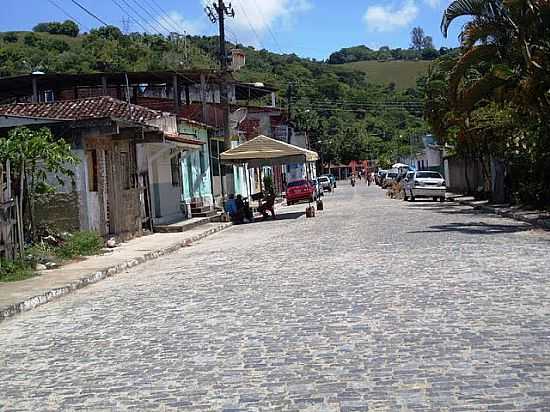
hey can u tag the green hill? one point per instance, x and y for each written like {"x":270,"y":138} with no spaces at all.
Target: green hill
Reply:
{"x":402,"y":73}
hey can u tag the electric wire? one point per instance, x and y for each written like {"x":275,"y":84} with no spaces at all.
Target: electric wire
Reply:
{"x":243,"y":9}
{"x":67,"y":14}
{"x":161,"y":25}
{"x":268,"y":27}
{"x":174,"y":24}
{"x":140,"y":16}
{"x":130,"y":16}
{"x":89,"y":12}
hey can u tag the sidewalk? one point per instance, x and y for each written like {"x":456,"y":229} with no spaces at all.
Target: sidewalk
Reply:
{"x":25,"y":295}
{"x":535,"y":218}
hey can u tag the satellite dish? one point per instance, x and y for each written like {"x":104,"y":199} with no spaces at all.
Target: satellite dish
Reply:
{"x":237,"y":117}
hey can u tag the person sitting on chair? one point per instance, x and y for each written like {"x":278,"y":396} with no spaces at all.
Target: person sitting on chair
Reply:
{"x":268,"y":205}
{"x":232,"y":209}
{"x":244,"y":209}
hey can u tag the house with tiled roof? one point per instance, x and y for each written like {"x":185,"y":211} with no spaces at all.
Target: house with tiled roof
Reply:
{"x":189,"y":94}
{"x":130,"y":174}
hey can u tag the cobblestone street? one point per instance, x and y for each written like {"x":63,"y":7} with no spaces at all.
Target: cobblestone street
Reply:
{"x":375,"y":304}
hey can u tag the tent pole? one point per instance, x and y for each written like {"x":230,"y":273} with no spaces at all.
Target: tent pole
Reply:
{"x":249,"y":184}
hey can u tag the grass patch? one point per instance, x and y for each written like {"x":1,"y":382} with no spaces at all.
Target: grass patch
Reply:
{"x":12,"y":271}
{"x":85,"y":243}
{"x":402,"y":72}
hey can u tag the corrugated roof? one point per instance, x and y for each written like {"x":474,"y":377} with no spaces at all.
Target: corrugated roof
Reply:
{"x":82,"y":109}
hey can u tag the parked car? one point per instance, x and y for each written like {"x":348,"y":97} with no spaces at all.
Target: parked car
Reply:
{"x":332,"y":179}
{"x":379,"y":177}
{"x":318,"y":188}
{"x":326,"y":183}
{"x":391,"y":175}
{"x":424,"y":184}
{"x":300,"y":190}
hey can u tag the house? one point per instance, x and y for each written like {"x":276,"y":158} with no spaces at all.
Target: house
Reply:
{"x":119,"y":183}
{"x":192,"y":95}
{"x":429,"y":157}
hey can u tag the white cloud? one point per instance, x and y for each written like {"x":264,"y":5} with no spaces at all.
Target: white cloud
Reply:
{"x":255,"y":18}
{"x":433,"y":3}
{"x":388,"y":18}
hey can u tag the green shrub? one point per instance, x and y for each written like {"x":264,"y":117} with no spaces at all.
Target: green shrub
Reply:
{"x":12,"y":271}
{"x":80,"y":244}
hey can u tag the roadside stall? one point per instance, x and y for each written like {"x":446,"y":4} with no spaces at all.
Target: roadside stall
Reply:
{"x":264,"y":151}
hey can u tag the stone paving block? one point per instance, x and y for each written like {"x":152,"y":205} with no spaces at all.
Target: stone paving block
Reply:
{"x":375,"y":304}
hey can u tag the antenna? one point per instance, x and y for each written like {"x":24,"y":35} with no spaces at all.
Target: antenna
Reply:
{"x":126,"y":25}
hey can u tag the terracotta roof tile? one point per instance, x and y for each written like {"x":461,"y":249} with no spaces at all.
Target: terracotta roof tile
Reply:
{"x":82,"y":109}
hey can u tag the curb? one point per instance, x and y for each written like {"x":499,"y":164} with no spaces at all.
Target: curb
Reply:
{"x":534,"y":221}
{"x":90,"y":279}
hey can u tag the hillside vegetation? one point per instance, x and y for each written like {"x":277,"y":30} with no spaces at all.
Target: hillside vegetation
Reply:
{"x":402,"y":73}
{"x":347,"y":116}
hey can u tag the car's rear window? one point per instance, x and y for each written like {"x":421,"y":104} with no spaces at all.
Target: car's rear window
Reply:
{"x":392,"y":175}
{"x":428,"y":175}
{"x":297,"y":183}
{"x":324,"y":179}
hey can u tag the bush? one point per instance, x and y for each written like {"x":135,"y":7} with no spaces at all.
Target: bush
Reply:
{"x":12,"y":271}
{"x":80,"y":244}
{"x":68,"y":28}
{"x":10,"y":38}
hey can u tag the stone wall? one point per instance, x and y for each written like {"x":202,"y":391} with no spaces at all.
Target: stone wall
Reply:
{"x":58,"y":210}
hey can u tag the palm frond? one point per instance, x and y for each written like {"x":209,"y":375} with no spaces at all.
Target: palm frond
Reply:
{"x":476,"y":55}
{"x":478,"y":8}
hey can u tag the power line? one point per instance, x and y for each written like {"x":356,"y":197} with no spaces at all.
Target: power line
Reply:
{"x":67,"y":14}
{"x":153,"y":17}
{"x":351,"y":104}
{"x":268,"y":27}
{"x":243,"y":9}
{"x":130,"y":16}
{"x":90,"y":13}
{"x":164,"y":13}
{"x":140,"y":16}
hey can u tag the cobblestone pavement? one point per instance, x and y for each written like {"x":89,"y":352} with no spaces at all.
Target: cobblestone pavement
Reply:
{"x":375,"y":304}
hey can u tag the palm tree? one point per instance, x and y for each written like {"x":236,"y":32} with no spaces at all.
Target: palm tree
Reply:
{"x":505,"y":52}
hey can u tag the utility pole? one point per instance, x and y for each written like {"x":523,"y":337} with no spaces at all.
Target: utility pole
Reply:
{"x":289,"y":103}
{"x":217,"y":13}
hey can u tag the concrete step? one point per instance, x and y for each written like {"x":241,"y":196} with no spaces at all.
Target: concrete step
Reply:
{"x":208,"y":213}
{"x":188,"y":224}
{"x":202,"y":209}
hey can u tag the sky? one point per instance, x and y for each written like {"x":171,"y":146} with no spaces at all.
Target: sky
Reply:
{"x":309,"y":28}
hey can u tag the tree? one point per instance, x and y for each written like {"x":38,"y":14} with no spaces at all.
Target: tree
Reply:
{"x":498,"y":88}
{"x":68,"y":28}
{"x":33,"y":155}
{"x":428,"y":43}
{"x":417,"y":38}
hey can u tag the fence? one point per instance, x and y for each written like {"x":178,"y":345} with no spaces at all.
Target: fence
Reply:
{"x":11,"y":220}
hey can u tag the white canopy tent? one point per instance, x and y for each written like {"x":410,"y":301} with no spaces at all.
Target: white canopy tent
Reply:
{"x":265,"y":151}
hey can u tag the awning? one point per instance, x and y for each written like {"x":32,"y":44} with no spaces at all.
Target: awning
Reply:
{"x":184,"y":141}
{"x":265,"y":151}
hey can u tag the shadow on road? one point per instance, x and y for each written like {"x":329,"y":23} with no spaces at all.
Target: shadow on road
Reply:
{"x":447,"y":208}
{"x":282,"y":216}
{"x":478,"y":228}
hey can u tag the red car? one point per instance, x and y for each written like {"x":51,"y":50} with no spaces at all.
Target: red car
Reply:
{"x":299,"y":190}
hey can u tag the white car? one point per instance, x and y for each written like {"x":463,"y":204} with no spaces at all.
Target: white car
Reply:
{"x":325,"y":183}
{"x":424,"y":184}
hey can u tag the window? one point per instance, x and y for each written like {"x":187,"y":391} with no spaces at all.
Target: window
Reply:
{"x":175,"y":170}
{"x":214,"y":162}
{"x":202,"y":161}
{"x":91,"y":164}
{"x":428,"y":175}
{"x":297,"y":183}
